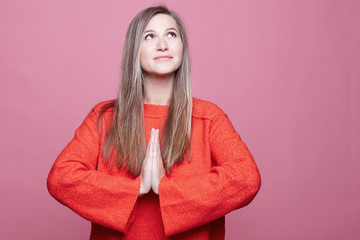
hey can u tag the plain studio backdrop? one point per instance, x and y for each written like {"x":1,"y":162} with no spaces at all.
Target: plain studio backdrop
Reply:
{"x":287,"y":73}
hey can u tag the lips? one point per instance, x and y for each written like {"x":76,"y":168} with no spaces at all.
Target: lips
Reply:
{"x":163,"y":57}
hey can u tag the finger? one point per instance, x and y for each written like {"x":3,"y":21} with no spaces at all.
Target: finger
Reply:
{"x":148,"y":146}
{"x":154,"y":159}
{"x":161,"y":162}
{"x":149,"y":149}
{"x":148,"y":156}
{"x":158,"y":151}
{"x":158,"y":140}
{"x":156,"y":143}
{"x":152,"y":144}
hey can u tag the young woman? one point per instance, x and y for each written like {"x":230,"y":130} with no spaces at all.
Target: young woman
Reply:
{"x":155,"y":163}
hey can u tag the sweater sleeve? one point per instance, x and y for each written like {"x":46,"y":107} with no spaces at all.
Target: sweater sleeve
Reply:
{"x":97,"y":196}
{"x":231,"y":183}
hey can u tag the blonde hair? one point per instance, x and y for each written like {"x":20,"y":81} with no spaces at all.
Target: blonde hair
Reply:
{"x":127,"y":134}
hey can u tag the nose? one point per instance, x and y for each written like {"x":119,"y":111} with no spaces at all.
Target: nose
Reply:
{"x":162,"y":45}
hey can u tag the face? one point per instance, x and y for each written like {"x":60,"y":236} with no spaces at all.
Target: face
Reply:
{"x":162,"y":48}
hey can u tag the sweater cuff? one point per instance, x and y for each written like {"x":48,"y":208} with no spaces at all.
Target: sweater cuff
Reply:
{"x":168,"y":218}
{"x":162,"y":190}
{"x":132,"y":213}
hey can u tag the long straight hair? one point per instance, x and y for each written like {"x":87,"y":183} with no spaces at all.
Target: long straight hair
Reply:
{"x":125,"y":138}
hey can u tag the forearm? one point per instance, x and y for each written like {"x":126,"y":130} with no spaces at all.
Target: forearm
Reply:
{"x":191,"y":202}
{"x":97,"y":196}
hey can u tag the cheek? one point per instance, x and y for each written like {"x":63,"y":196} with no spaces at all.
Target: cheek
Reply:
{"x":143,"y":56}
{"x":180,"y":52}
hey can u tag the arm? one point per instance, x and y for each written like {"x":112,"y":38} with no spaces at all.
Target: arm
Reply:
{"x":231,"y":184}
{"x":97,"y":196}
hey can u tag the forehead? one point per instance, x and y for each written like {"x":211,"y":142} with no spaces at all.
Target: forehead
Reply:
{"x":160,"y":22}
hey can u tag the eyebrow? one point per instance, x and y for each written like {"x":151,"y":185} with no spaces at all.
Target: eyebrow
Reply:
{"x":165,"y":30}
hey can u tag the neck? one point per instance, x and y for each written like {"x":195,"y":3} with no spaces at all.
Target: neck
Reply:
{"x":158,"y":89}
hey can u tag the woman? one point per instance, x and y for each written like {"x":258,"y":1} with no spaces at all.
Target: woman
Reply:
{"x":194,"y":169}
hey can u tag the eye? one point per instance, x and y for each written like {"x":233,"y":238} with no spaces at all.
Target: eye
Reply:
{"x":149,"y":36}
{"x":171,"y":34}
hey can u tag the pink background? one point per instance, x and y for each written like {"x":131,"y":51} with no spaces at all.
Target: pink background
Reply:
{"x":285,"y":71}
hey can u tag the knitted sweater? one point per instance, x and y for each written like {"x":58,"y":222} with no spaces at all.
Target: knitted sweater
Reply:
{"x":193,"y":199}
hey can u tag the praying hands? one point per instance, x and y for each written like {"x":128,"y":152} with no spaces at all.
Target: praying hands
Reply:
{"x":153,"y":169}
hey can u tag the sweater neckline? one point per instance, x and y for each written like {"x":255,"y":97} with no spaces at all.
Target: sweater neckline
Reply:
{"x":152,"y":110}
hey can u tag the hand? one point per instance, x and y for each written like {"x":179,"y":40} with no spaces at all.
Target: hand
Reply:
{"x":158,"y":170}
{"x":146,"y":173}
{"x":153,"y":169}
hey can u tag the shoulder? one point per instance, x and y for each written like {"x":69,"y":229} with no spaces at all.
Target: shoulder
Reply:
{"x":104,"y":107}
{"x":205,"y":109}
{"x":102,"y":110}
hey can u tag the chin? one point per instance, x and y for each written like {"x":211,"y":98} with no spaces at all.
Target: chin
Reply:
{"x":164,"y":72}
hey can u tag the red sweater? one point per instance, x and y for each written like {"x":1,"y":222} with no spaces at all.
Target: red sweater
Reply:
{"x":193,"y":199}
